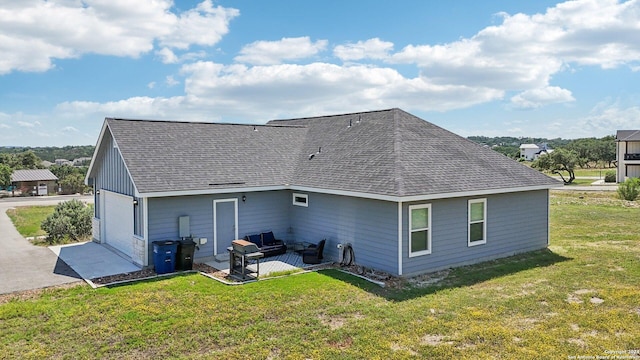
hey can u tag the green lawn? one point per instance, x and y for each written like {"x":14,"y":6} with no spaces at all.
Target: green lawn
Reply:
{"x":582,"y":182}
{"x":593,"y":172}
{"x":27,"y":219}
{"x":581,"y":297}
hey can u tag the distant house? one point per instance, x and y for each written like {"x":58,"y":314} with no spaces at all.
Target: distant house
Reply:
{"x":409,"y":196}
{"x":627,"y":154}
{"x":82,"y":161}
{"x":529,"y":151}
{"x":34,"y":182}
{"x":61,"y":162}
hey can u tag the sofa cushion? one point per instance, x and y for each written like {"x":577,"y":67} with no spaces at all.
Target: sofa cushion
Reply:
{"x":268,"y":238}
{"x":256,"y":239}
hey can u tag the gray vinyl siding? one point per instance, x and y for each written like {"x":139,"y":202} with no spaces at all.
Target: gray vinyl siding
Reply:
{"x":262,"y":211}
{"x":371,"y":226}
{"x":516,"y":223}
{"x":111,"y":173}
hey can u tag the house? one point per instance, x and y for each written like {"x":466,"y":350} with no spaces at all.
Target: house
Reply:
{"x":409,"y":196}
{"x":82,"y":161}
{"x":528,"y":152}
{"x":62,"y":162}
{"x":34,"y":182}
{"x":627,"y":154}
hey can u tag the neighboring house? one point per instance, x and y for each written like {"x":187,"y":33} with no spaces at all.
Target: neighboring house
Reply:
{"x":82,"y":161}
{"x":627,"y":154}
{"x":529,"y":151}
{"x":61,"y":162}
{"x":409,"y":196}
{"x":34,"y":182}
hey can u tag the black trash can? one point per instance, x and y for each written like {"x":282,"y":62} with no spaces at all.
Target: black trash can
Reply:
{"x":184,"y":259}
{"x":164,"y":256}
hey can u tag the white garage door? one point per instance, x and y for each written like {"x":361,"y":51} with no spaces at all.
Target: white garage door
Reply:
{"x":118,"y":221}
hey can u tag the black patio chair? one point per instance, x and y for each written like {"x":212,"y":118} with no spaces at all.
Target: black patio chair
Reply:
{"x":313,"y":253}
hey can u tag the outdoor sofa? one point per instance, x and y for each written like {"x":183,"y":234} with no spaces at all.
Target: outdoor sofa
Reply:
{"x":267,"y":243}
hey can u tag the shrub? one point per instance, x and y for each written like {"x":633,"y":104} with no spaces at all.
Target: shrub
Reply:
{"x":610,"y":176}
{"x":629,"y":189}
{"x":70,"y":219}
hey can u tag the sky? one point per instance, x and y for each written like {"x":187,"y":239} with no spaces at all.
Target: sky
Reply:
{"x":493,"y":67}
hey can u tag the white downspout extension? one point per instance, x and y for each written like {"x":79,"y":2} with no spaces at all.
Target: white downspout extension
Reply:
{"x":400,"y":238}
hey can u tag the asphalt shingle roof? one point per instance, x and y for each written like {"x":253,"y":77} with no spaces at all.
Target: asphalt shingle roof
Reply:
{"x":388,"y":152}
{"x":628,"y":135}
{"x":32,"y":175}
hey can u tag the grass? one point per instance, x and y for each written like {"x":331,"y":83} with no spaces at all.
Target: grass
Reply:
{"x":593,"y":172}
{"x":27,"y":219}
{"x":579,"y":298}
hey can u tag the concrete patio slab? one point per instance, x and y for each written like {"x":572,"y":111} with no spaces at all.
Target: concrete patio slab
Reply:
{"x":91,"y":260}
{"x":279,"y":263}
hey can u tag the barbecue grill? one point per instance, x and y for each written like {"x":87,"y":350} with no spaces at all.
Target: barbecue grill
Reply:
{"x":241,"y":253}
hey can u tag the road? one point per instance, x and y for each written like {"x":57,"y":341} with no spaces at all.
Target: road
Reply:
{"x":24,"y":266}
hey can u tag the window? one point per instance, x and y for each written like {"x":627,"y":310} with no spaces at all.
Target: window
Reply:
{"x":419,"y":230}
{"x":301,"y":199}
{"x":477,"y":222}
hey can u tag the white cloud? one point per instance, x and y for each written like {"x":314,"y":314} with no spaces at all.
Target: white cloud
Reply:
{"x":25,"y":124}
{"x":275,"y":52}
{"x":5,"y":126}
{"x":372,"y":49}
{"x":204,"y":25}
{"x":69,"y":129}
{"x":32,"y":34}
{"x":167,"y":56}
{"x":535,"y":98}
{"x":170,"y":81}
{"x":524,"y":51}
{"x":151,"y":85}
{"x":607,"y":117}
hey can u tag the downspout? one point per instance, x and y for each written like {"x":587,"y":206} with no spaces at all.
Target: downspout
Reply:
{"x":548,"y":217}
{"x":145,"y":229}
{"x":399,"y":238}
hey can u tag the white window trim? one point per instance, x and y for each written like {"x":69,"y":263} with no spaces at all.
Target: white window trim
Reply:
{"x":469,"y":222}
{"x":422,"y":252}
{"x":298,"y":203}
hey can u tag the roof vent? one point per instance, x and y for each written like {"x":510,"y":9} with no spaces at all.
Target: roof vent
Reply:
{"x":349,"y":124}
{"x":255,"y":128}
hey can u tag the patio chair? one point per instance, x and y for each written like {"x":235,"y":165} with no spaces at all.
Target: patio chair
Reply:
{"x":313,"y":253}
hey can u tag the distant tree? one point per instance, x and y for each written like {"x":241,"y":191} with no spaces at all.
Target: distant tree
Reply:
{"x":72,"y":184}
{"x":62,"y":171}
{"x":5,"y":175}
{"x":29,"y":160}
{"x":559,"y":161}
{"x":607,"y":150}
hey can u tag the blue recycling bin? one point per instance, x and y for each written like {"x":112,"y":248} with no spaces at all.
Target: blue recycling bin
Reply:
{"x":164,"y":256}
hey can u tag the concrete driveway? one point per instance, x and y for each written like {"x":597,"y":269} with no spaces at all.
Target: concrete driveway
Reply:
{"x":24,"y":266}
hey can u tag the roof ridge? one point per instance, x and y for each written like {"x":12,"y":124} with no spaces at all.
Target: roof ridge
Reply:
{"x":333,"y":115}
{"x":203,"y":123}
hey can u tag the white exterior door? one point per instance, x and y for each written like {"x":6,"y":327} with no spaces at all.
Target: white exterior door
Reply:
{"x":225,"y":225}
{"x":117,"y":221}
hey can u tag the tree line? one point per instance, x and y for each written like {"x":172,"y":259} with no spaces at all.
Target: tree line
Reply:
{"x":70,"y":178}
{"x":589,"y":152}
